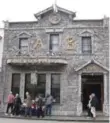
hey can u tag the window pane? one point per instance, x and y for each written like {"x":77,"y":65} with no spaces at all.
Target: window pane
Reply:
{"x":86,"y":44}
{"x":41,"y":82}
{"x":86,"y":40}
{"x":24,"y":50}
{"x":54,"y":40}
{"x":35,"y":89}
{"x":28,"y":87}
{"x":54,"y":37}
{"x":86,"y":48}
{"x":55,"y":48}
{"x":23,"y":42}
{"x":15,"y":83}
{"x":41,"y":78}
{"x":23,"y":45}
{"x":55,"y":79}
{"x":28,"y":78}
{"x":55,"y":87}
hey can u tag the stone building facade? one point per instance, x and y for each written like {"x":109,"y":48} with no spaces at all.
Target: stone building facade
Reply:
{"x":1,"y":50}
{"x":58,"y":55}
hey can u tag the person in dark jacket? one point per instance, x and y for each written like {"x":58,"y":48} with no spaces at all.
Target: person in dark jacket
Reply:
{"x":94,"y":103}
{"x":40,"y":105}
{"x":17,"y":105}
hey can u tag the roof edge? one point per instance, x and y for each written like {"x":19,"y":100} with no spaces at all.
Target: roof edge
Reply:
{"x":51,"y":8}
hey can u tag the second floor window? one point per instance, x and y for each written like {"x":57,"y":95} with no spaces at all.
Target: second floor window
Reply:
{"x":54,"y":42}
{"x":23,"y":45}
{"x":86,"y":45}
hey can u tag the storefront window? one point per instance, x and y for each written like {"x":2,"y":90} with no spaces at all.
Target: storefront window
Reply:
{"x":15,"y":83}
{"x":35,"y":89}
{"x":28,"y":87}
{"x":55,"y":87}
{"x":41,"y":82}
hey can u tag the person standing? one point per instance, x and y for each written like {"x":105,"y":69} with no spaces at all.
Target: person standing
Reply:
{"x":33,"y":108}
{"x":89,"y":106}
{"x":10,"y":103}
{"x":48,"y":103}
{"x":28,"y":105}
{"x":40,"y":104}
{"x":94,"y":103}
{"x":17,"y":105}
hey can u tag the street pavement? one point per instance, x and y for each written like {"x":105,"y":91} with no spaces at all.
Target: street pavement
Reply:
{"x":11,"y":120}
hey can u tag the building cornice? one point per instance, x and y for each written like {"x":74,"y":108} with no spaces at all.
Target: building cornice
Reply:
{"x":37,"y":28}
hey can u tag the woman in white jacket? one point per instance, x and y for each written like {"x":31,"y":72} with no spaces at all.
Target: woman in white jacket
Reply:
{"x":89,"y":106}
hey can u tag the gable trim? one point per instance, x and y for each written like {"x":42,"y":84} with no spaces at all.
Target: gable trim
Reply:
{"x":89,"y":62}
{"x":52,"y":8}
{"x":25,"y":33}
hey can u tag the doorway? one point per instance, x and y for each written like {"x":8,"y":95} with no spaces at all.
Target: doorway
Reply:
{"x":92,"y":84}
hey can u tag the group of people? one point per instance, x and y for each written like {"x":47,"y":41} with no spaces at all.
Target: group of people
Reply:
{"x":41,"y":106}
{"x":92,"y":104}
{"x":38,"y":107}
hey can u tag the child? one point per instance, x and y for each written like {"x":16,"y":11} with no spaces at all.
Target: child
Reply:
{"x":33,"y":108}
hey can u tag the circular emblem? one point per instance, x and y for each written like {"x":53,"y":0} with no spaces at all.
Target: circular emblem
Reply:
{"x":54,"y":18}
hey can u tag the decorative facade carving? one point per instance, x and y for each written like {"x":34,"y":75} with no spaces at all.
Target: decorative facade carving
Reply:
{"x":93,"y":68}
{"x":86,"y":33}
{"x":55,"y":18}
{"x":37,"y":44}
{"x":24,"y":34}
{"x":70,"y":43}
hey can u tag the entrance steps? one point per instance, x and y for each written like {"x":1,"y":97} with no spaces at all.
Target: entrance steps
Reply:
{"x":98,"y":113}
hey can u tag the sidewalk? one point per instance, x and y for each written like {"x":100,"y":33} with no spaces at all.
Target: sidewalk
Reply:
{"x":61,"y":118}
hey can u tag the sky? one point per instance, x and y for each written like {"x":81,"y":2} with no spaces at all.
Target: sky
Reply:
{"x":24,"y":10}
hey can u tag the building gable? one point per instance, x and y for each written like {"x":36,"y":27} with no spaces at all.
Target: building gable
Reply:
{"x":92,"y":66}
{"x":54,"y":15}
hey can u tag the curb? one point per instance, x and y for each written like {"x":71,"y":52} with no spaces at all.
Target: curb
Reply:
{"x":55,"y":119}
